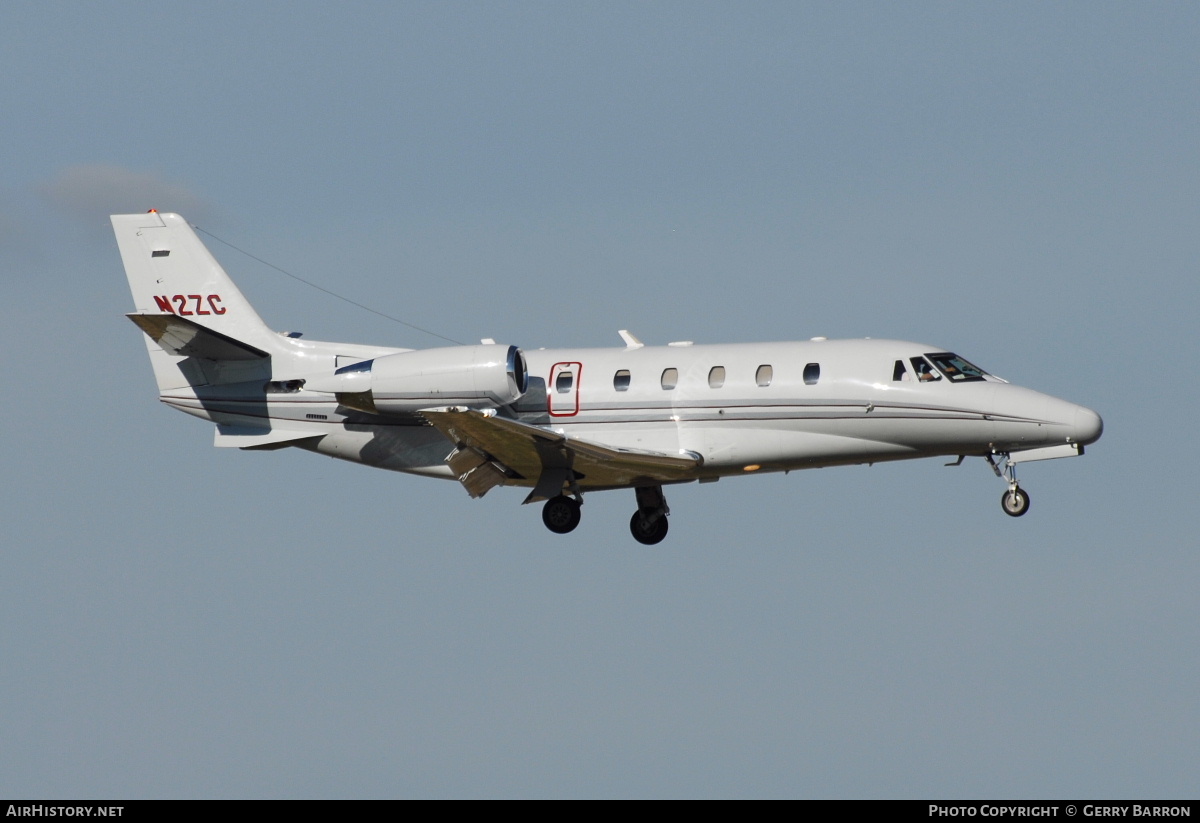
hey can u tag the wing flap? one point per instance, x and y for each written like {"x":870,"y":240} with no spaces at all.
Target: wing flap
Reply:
{"x":525,"y":454}
{"x":475,"y":470}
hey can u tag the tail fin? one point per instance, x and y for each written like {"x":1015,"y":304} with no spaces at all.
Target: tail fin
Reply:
{"x":188,"y":306}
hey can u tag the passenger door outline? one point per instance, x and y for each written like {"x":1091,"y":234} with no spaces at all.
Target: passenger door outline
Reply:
{"x":564,"y":403}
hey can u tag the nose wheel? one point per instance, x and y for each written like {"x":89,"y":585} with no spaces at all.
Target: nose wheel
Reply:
{"x":1015,"y":501}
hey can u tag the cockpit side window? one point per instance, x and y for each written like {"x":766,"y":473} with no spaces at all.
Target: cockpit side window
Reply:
{"x":956,"y":368}
{"x":899,"y":372}
{"x":925,"y":372}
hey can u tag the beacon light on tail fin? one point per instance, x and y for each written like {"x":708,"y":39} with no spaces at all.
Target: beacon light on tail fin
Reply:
{"x":562,"y":422}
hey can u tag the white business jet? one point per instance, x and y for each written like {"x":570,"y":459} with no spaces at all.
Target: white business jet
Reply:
{"x":562,"y":422}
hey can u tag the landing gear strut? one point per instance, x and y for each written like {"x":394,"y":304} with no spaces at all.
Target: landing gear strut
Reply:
{"x":1015,"y":501}
{"x":649,"y":523}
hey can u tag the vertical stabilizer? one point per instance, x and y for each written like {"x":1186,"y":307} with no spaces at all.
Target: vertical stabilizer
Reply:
{"x":176,"y":281}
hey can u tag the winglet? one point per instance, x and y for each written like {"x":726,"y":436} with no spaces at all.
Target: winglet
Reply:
{"x":631,"y":342}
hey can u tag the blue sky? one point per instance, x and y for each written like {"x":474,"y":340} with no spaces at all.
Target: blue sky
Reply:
{"x":1017,"y":183}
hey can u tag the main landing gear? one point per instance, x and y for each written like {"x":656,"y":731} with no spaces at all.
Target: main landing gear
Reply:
{"x":649,"y":523}
{"x":561,"y":514}
{"x":1015,"y":501}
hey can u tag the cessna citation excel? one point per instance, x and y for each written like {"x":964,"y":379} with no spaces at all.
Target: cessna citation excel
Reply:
{"x":564,"y":422}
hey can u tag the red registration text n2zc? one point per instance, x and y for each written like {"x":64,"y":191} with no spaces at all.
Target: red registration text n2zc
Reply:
{"x":187,"y":305}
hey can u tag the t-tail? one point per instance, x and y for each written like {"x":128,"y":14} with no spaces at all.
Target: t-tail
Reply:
{"x":214,"y":358}
{"x":188,"y":307}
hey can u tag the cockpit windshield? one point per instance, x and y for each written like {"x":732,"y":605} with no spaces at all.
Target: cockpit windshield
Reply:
{"x":956,"y":369}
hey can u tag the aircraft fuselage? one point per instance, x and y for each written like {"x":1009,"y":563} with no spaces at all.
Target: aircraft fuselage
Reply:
{"x":739,"y":407}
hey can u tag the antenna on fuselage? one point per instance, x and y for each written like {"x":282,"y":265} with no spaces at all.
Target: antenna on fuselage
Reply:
{"x":631,"y":342}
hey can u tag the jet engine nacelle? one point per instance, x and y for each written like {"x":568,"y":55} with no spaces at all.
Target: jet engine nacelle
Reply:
{"x":484,"y":376}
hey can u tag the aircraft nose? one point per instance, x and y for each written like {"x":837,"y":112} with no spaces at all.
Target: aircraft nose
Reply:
{"x":1088,"y":426}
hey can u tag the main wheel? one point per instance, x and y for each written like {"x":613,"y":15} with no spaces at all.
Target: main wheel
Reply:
{"x":561,"y":514}
{"x":1015,"y":502}
{"x":645,"y":532}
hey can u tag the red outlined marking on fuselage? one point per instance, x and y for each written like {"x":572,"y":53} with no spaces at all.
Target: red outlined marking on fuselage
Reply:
{"x":564,"y":402}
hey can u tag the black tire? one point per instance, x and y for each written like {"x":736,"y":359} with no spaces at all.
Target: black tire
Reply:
{"x":561,"y":514}
{"x":1015,"y":502}
{"x":646,"y":533}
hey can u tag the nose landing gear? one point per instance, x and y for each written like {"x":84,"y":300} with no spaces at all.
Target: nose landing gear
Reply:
{"x":1015,"y":501}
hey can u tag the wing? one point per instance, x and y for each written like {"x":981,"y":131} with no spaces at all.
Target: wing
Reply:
{"x":490,"y":451}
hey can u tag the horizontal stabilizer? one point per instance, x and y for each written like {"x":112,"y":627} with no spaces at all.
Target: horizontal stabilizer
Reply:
{"x":528,"y":451}
{"x":183,"y":338}
{"x":252,"y":437}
